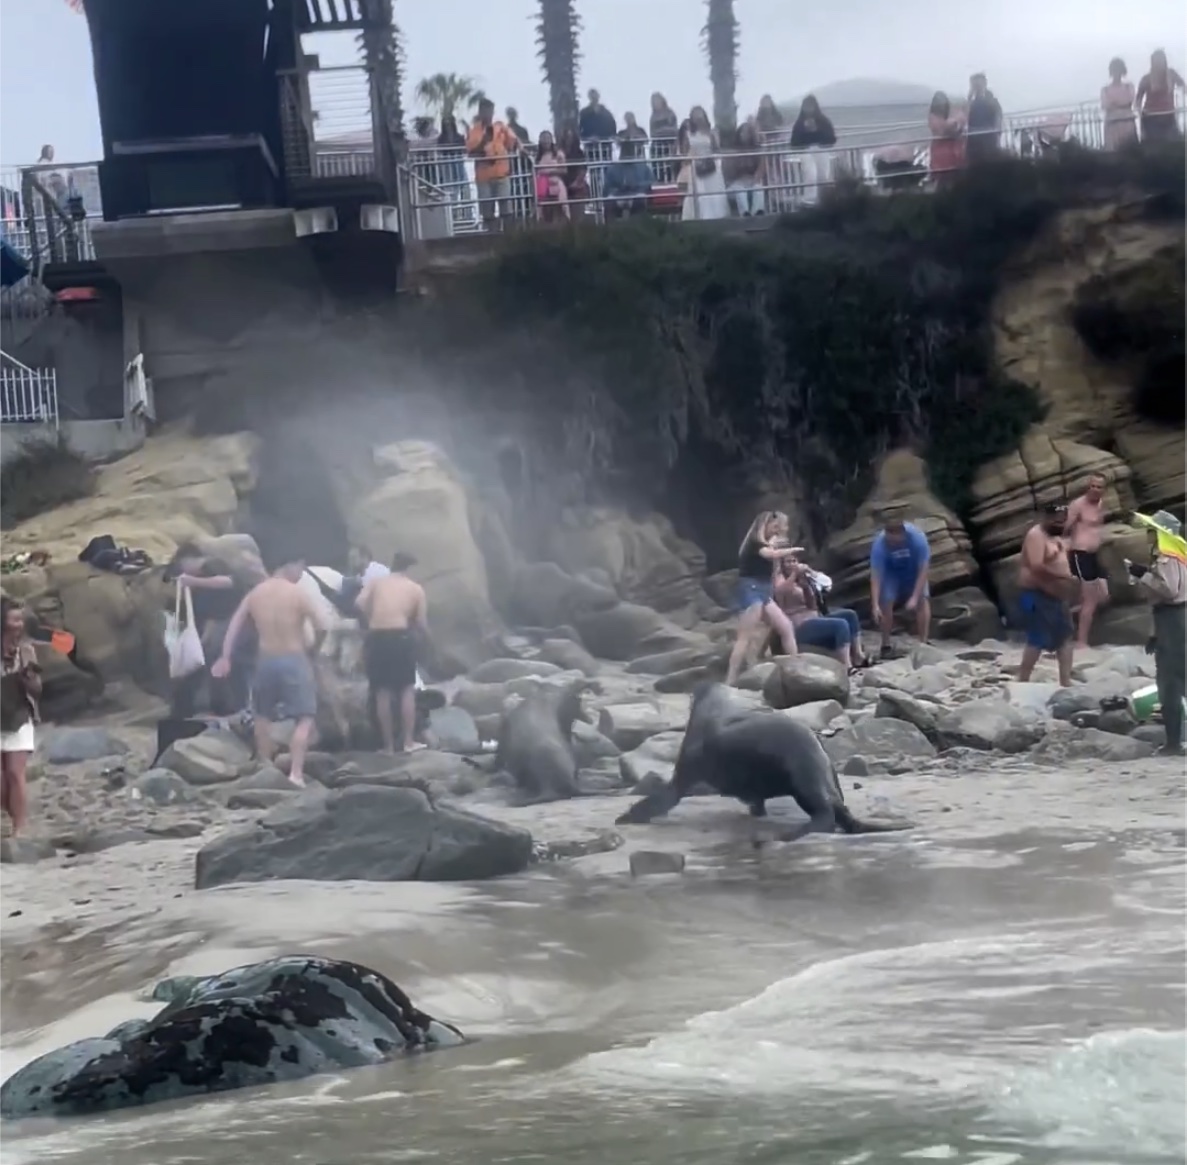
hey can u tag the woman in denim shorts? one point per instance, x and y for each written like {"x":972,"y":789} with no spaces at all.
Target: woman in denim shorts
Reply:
{"x":753,"y":598}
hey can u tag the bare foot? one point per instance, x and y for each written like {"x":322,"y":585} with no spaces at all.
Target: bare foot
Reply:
{"x":415,"y":746}
{"x":299,"y":781}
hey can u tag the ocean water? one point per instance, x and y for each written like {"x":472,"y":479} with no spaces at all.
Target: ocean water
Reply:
{"x":1019,"y":998}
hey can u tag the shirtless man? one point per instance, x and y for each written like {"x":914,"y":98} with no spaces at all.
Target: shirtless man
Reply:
{"x":1084,"y":530}
{"x":284,"y":683}
{"x":1045,"y":580}
{"x":396,"y":614}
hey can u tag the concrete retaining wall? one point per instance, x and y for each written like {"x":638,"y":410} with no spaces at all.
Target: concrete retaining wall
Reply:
{"x":95,"y":440}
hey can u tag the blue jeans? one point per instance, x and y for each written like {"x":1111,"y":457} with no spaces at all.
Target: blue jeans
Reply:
{"x":833,"y":632}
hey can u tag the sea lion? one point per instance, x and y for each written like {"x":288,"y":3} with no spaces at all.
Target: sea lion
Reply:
{"x":536,"y":740}
{"x":283,"y":1019}
{"x":754,"y":755}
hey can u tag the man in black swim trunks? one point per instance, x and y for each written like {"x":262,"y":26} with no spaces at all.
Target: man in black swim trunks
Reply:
{"x":395,"y":610}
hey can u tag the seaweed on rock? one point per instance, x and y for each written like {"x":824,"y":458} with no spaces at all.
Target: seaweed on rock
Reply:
{"x":41,"y":476}
{"x":844,"y":331}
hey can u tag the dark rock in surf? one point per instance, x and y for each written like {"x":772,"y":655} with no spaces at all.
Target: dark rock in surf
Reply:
{"x":368,"y":833}
{"x":279,"y":1020}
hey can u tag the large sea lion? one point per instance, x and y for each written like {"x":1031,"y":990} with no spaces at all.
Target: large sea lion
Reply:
{"x":282,"y":1019}
{"x":536,"y":740}
{"x":754,"y":755}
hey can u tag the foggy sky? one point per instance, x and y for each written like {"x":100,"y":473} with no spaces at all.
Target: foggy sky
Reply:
{"x":1036,"y":53}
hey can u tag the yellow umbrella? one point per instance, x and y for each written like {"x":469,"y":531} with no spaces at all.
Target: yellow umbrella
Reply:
{"x":1168,"y":543}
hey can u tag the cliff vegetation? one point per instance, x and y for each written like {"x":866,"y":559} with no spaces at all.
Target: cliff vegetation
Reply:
{"x":840,"y":333}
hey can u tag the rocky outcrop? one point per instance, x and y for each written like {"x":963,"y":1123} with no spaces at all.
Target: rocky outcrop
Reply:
{"x":419,"y":505}
{"x":1090,"y":399}
{"x":644,"y":559}
{"x":369,"y":833}
{"x":902,"y":486}
{"x":280,"y":1020}
{"x":177,"y":487}
{"x":1010,"y":491}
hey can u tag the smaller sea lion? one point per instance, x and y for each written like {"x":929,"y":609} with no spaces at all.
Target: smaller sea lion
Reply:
{"x":754,"y":755}
{"x":536,"y":740}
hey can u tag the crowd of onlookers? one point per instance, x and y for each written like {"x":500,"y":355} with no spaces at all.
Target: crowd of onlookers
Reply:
{"x":687,"y":166}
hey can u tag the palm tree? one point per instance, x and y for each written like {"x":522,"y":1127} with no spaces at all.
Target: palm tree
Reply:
{"x":383,"y":58}
{"x":557,"y":30}
{"x":442,"y":94}
{"x":719,"y":38}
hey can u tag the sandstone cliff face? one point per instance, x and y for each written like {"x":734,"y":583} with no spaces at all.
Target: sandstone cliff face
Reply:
{"x":1092,"y":424}
{"x":1089,"y":400}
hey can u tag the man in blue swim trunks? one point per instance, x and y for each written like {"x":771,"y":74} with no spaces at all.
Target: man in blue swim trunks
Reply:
{"x":899,"y":562}
{"x":1045,"y":582}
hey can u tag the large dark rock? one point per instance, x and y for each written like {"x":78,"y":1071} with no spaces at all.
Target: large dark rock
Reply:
{"x":279,"y":1020}
{"x":369,"y":833}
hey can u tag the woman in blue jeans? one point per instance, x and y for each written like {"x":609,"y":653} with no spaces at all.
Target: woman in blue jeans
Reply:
{"x":838,"y":632}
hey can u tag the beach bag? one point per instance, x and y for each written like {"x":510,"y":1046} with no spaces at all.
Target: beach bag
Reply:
{"x":182,"y":641}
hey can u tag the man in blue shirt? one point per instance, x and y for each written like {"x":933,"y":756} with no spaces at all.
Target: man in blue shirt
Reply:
{"x":899,"y":560}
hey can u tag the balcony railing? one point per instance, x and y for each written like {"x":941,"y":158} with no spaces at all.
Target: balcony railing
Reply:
{"x":46,"y":212}
{"x":445,"y":199}
{"x":27,"y":395}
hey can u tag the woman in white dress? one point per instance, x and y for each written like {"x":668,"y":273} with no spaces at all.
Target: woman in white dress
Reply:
{"x":21,"y":687}
{"x":706,"y":197}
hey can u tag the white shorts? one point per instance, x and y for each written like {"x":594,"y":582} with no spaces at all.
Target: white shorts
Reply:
{"x":22,"y":740}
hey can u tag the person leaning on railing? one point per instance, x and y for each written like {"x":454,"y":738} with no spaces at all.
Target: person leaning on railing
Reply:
{"x":1116,"y":100}
{"x":1156,"y":100}
{"x":947,"y":138}
{"x":664,"y":127}
{"x":984,"y":122}
{"x":813,"y":133}
{"x":550,"y":178}
{"x":746,"y":171}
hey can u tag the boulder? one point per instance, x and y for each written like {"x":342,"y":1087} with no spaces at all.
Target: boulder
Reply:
{"x":657,"y":754}
{"x":418,"y":505}
{"x":453,"y":729}
{"x":590,"y":746}
{"x":666,"y":663}
{"x":645,"y":863}
{"x":628,"y":725}
{"x":163,"y":787}
{"x":177,"y":487}
{"x":893,"y":704}
{"x":1033,"y":697}
{"x":67,"y":746}
{"x":546,"y":596}
{"x":901,"y":483}
{"x":1009,"y":491}
{"x":642,"y":559}
{"x":966,"y":614}
{"x":440,"y":774}
{"x":805,"y":679}
{"x":989,"y":724}
{"x":878,"y":738}
{"x":569,"y":656}
{"x":1069,"y":743}
{"x":211,"y":758}
{"x":366,"y":833}
{"x":500,"y":671}
{"x":628,"y":631}
{"x":817,"y":715}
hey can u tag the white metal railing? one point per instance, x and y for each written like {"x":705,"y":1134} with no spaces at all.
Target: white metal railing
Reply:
{"x":27,"y":395}
{"x":445,"y":197}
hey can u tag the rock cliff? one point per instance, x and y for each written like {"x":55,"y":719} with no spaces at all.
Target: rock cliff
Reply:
{"x":965,"y":357}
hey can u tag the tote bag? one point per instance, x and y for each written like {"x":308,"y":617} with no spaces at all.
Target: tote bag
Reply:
{"x":182,"y":641}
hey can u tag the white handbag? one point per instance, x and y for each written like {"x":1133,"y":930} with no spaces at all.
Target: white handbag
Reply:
{"x":182,"y":641}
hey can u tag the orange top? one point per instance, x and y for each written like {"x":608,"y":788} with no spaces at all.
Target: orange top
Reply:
{"x":495,"y":150}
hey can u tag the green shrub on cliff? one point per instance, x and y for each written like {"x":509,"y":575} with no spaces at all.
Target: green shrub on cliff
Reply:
{"x":42,"y":476}
{"x":840,"y":333}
